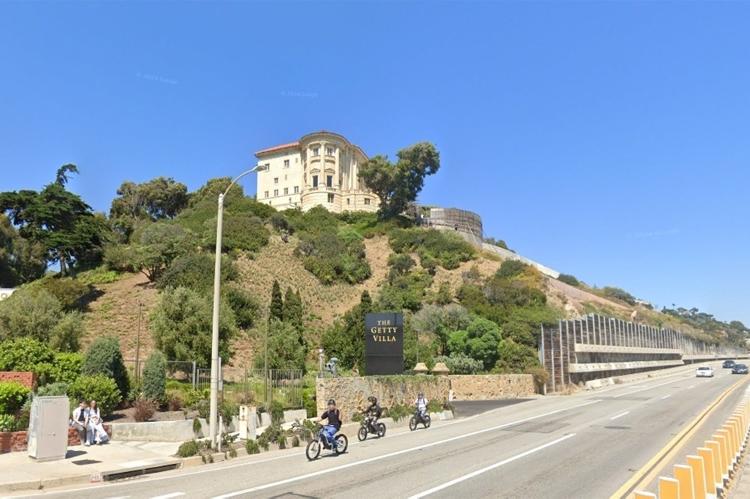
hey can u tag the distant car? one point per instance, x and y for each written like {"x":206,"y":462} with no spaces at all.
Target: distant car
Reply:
{"x":704,"y":372}
{"x":728,"y":364}
{"x":739,"y":369}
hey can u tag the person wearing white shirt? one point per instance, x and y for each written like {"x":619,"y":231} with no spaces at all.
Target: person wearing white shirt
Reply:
{"x":78,"y":421}
{"x":95,"y":426}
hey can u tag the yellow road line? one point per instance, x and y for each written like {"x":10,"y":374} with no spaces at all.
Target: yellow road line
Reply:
{"x":652,"y":468}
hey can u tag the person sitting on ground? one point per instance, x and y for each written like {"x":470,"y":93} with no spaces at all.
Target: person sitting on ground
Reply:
{"x":373,"y":412}
{"x":78,"y":421}
{"x":95,"y":426}
{"x":421,"y":404}
{"x":333,"y":415}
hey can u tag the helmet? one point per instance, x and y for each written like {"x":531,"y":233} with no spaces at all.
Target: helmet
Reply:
{"x":372,"y":399}
{"x":331,"y":402}
{"x":420,"y":395}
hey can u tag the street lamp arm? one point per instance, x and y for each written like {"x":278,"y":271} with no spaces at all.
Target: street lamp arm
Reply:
{"x":234,"y":181}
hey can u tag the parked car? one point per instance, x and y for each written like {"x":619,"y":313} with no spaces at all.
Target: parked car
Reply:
{"x":728,"y":364}
{"x":739,"y":369}
{"x":704,"y":372}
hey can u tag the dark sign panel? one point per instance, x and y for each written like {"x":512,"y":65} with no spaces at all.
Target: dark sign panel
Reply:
{"x":384,"y":343}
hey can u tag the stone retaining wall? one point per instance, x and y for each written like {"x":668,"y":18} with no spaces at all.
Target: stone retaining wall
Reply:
{"x":351,"y":393}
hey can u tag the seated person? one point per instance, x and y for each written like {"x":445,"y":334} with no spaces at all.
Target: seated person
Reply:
{"x":333,"y":416}
{"x":78,"y":421}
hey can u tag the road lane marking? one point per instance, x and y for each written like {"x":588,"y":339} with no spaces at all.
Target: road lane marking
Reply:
{"x":690,"y":387}
{"x":490,"y":468}
{"x":619,"y":415}
{"x":396,"y":453}
{"x":168,"y":496}
{"x":646,"y":388}
{"x":665,"y":397}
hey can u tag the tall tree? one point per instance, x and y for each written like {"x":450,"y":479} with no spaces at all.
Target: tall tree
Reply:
{"x":345,"y":340}
{"x":293,"y":309}
{"x":276,"y":311}
{"x":398,"y":184}
{"x":158,"y":199}
{"x":58,"y":220}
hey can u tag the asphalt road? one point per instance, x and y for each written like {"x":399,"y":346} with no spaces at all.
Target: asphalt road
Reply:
{"x":585,"y":445}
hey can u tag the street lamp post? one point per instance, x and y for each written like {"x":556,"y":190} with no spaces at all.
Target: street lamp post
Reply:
{"x":214,"y":407}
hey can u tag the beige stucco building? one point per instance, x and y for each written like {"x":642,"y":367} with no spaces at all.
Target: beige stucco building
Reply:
{"x":320,"y":169}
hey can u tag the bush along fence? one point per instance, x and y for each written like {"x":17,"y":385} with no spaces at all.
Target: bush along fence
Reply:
{"x":184,"y":371}
{"x":258,"y":387}
{"x":708,"y":472}
{"x":594,"y":346}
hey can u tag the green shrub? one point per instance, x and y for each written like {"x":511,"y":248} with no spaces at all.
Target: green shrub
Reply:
{"x":511,"y":268}
{"x":309,"y":403}
{"x":144,"y":409}
{"x":568,"y":279}
{"x":99,"y":275}
{"x":104,"y":357}
{"x":400,"y":264}
{"x":295,"y":441}
{"x":53,"y":389}
{"x":12,"y":396}
{"x":97,"y":387}
{"x":399,"y":411}
{"x":188,"y":449}
{"x":515,"y":358}
{"x":618,"y":294}
{"x":405,"y":292}
{"x":331,"y":258}
{"x":244,"y":306}
{"x":197,"y":427}
{"x":195,"y":271}
{"x":444,"y":247}
{"x":31,"y":313}
{"x":240,"y":232}
{"x":251,"y":446}
{"x":69,"y":292}
{"x":540,"y":376}
{"x":28,"y":354}
{"x":67,"y":367}
{"x":228,"y":409}
{"x":155,"y":377}
{"x":277,"y":412}
{"x":7,"y":422}
{"x":460,"y":363}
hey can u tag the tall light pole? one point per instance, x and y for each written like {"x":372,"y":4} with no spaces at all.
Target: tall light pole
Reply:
{"x":213,"y":413}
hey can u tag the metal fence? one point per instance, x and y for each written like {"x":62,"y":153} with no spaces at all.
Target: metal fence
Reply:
{"x":282,"y":385}
{"x":178,"y":370}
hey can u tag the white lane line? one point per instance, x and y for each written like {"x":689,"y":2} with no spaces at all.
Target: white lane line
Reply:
{"x":646,"y":388}
{"x":168,"y":496}
{"x":618,"y":416}
{"x":665,"y":397}
{"x":396,"y":453}
{"x":690,"y":387}
{"x":490,"y":468}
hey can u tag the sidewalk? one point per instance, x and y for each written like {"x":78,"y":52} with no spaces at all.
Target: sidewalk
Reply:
{"x":85,"y":464}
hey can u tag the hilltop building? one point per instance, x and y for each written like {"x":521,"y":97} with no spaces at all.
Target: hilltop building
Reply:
{"x":320,"y":169}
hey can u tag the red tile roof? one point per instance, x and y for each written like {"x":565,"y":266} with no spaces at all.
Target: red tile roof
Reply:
{"x":277,"y":148}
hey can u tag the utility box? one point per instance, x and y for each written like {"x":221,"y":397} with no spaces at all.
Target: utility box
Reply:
{"x":48,"y":428}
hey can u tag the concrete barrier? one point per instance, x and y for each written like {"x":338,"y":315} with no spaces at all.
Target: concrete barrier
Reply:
{"x":708,"y":473}
{"x":155,"y":431}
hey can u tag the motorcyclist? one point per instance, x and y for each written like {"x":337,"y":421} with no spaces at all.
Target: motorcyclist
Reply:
{"x":373,"y":412}
{"x":421,"y":404}
{"x":333,"y":415}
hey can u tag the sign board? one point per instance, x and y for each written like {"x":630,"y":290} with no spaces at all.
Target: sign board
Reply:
{"x":384,"y":343}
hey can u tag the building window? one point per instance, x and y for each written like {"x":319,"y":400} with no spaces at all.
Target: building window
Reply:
{"x":348,"y":201}
{"x":296,"y":189}
{"x":286,"y":190}
{"x":276,"y":180}
{"x":286,"y":163}
{"x":367,"y":200}
{"x":330,"y":198}
{"x":330,"y":150}
{"x":316,"y":151}
{"x":329,"y":180}
{"x":315,"y":181}
{"x":267,"y":167}
{"x":275,"y":192}
{"x":266,"y":193}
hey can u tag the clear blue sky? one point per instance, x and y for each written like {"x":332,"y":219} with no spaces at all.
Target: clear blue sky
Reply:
{"x":609,"y":140}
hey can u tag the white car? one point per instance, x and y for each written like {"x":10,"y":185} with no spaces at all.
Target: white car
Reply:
{"x":704,"y":372}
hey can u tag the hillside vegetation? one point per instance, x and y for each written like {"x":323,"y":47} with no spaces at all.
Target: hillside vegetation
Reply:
{"x":291,"y":281}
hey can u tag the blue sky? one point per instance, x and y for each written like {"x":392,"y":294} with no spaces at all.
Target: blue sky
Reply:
{"x":608,"y":140}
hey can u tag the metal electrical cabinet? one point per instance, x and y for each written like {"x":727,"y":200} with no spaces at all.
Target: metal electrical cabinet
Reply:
{"x":48,"y":428}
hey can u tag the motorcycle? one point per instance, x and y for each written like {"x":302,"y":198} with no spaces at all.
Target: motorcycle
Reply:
{"x":337,"y":445}
{"x":418,"y":418}
{"x":367,"y":426}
